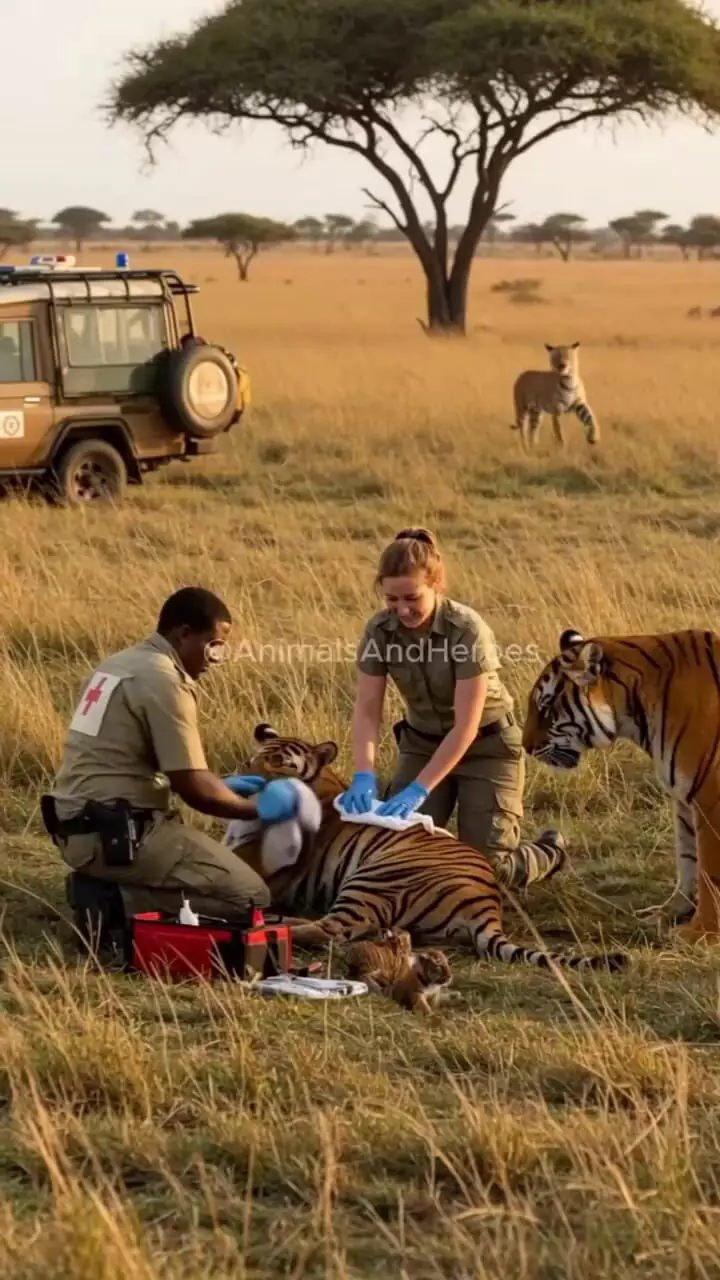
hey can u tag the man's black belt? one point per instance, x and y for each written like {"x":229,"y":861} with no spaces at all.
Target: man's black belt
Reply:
{"x":91,"y":818}
{"x":487,"y":730}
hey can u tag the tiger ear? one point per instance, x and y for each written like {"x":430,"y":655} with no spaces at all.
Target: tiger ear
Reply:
{"x":575,"y":346}
{"x":263,"y":732}
{"x":580,"y":659}
{"x":325,"y":753}
{"x":548,"y":347}
{"x":569,"y":640}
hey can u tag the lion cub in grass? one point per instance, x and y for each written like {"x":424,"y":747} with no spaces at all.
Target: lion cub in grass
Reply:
{"x":388,"y":965}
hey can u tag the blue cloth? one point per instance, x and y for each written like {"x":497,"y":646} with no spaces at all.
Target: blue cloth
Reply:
{"x":360,"y":794}
{"x":245,"y":784}
{"x":405,"y":802}
{"x":277,"y":802}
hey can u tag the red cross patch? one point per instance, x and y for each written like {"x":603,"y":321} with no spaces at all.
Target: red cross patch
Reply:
{"x":90,"y":711}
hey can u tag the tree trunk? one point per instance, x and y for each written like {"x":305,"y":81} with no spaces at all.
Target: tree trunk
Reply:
{"x":243,"y":261}
{"x":446,"y":304}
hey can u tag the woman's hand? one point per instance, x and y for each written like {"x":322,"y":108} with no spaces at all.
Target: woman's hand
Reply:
{"x":361,"y":793}
{"x":404,"y":803}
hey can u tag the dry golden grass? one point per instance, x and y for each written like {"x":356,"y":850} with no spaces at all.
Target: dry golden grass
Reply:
{"x":539,"y":1128}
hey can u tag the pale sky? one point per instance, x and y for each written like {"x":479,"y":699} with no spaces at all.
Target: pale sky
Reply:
{"x":57,"y":149}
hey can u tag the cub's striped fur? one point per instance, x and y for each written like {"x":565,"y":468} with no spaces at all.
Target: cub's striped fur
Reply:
{"x":362,"y":879}
{"x":557,"y":390}
{"x":661,"y":692}
{"x":413,"y":979}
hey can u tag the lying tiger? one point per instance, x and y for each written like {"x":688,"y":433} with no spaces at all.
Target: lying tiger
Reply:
{"x":361,"y":879}
{"x":661,"y":692}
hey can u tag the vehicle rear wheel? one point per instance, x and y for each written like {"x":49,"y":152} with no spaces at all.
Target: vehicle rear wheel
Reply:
{"x":90,"y":471}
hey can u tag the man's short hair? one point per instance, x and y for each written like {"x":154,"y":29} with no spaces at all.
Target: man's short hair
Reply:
{"x":192,"y":607}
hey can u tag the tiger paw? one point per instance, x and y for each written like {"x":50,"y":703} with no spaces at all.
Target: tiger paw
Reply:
{"x":678,"y":910}
{"x":694,"y":932}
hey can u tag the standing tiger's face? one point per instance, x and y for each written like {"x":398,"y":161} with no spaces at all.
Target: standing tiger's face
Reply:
{"x":568,"y":711}
{"x":562,"y":359}
{"x":277,"y":757}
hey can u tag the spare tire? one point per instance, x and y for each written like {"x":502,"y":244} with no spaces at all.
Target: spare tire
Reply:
{"x":198,"y":390}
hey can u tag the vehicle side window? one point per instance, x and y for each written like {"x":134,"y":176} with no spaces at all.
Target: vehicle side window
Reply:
{"x":17,"y":354}
{"x":112,"y":349}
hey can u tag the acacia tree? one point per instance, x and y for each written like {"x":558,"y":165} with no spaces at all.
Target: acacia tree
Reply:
{"x":337,"y":226}
{"x":561,"y":231}
{"x":79,"y":222}
{"x":312,"y":229}
{"x":638,"y":230}
{"x":242,"y":236}
{"x":678,"y":236}
{"x":494,"y":78}
{"x":703,"y":234}
{"x":15,"y":233}
{"x":149,"y":222}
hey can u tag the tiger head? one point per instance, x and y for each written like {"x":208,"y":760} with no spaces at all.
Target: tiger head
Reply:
{"x":432,"y":968}
{"x":563,"y":359}
{"x":276,"y":757}
{"x":569,"y":707}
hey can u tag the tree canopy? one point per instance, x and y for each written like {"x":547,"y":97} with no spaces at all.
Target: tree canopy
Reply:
{"x":80,"y":221}
{"x":493,"y":77}
{"x":15,"y":232}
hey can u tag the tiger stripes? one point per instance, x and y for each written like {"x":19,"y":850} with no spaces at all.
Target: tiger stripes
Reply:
{"x":662,"y":692}
{"x":556,"y":391}
{"x":360,"y":879}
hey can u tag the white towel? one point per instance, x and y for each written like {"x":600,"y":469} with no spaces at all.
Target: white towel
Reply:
{"x":391,"y":821}
{"x":290,"y":984}
{"x":281,"y":841}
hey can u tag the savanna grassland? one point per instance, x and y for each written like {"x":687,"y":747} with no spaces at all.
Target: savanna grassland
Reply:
{"x":539,"y":1127}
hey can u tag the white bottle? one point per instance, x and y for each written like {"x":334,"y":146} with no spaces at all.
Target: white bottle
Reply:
{"x":187,"y":915}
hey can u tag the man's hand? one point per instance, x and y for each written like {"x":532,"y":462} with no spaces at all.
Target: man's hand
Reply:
{"x":206,"y":793}
{"x":245,"y":784}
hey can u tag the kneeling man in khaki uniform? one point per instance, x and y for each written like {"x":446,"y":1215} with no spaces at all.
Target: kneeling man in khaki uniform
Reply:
{"x":132,"y":741}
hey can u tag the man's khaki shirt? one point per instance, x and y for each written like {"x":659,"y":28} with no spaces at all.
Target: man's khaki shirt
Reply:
{"x":136,"y":720}
{"x":425,"y":665}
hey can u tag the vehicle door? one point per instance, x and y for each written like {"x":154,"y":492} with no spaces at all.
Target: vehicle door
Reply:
{"x":27,"y":412}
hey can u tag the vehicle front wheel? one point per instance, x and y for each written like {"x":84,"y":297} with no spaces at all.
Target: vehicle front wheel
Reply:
{"x":90,"y":471}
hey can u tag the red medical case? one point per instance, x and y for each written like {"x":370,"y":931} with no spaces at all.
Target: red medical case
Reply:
{"x":162,"y":947}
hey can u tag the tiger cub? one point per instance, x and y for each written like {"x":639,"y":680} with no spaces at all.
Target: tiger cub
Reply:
{"x":557,"y":390}
{"x":390,"y":968}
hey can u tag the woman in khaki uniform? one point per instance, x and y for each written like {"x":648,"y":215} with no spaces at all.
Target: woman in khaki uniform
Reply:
{"x":459,"y":742}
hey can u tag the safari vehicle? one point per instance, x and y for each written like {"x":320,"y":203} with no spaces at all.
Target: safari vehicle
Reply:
{"x":103,"y":378}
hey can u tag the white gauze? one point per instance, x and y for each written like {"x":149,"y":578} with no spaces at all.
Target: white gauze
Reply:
{"x":281,"y":842}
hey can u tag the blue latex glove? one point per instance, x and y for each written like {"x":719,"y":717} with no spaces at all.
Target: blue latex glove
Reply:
{"x":405,"y":802}
{"x":277,"y":802}
{"x":245,"y":784}
{"x":360,"y":794}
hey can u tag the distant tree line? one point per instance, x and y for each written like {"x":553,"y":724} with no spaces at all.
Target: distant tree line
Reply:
{"x":242,"y":235}
{"x":631,"y":235}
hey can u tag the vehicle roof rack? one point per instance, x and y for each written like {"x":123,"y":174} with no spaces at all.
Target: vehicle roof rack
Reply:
{"x":71,"y":275}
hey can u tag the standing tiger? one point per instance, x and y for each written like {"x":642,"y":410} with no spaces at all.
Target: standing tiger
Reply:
{"x":361,"y":879}
{"x":557,"y":390}
{"x":661,"y":692}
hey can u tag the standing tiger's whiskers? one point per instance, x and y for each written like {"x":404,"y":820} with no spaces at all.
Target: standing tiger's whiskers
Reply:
{"x":556,"y":391}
